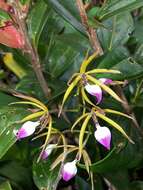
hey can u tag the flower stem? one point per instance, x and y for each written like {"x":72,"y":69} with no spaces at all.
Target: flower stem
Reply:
{"x":89,"y":30}
{"x":31,"y":50}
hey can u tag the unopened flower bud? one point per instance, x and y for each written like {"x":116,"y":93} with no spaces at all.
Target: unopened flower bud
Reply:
{"x":27,"y":129}
{"x":48,"y":150}
{"x":103,"y":136}
{"x":105,"y":80}
{"x":94,"y":90}
{"x":69,"y":170}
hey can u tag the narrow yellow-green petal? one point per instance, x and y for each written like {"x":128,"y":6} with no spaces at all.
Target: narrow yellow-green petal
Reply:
{"x":86,"y":62}
{"x":83,"y":128}
{"x":69,"y":90}
{"x":47,"y":138}
{"x":103,"y":71}
{"x":78,"y":120}
{"x":31,"y":99}
{"x":72,"y":78}
{"x":30,"y":103}
{"x":87,"y":160}
{"x":33,"y":116}
{"x":61,"y":156}
{"x":117,"y":112}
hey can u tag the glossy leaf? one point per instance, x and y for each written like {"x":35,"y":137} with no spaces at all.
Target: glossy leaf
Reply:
{"x":68,"y":11}
{"x":43,"y":176}
{"x":116,"y":7}
{"x":118,"y":30}
{"x":36,"y":20}
{"x":8,"y":118}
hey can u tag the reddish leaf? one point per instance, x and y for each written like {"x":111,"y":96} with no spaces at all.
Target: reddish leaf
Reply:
{"x":11,"y":37}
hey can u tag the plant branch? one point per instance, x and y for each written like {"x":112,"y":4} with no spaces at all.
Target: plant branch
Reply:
{"x":89,"y":30}
{"x":31,"y":50}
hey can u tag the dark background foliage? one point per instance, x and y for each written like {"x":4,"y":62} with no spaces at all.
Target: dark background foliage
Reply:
{"x":54,"y":26}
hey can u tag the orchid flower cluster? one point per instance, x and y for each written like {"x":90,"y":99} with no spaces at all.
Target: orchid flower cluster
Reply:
{"x":87,"y":85}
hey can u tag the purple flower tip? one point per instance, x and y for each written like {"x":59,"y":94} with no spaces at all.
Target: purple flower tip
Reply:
{"x":69,"y":170}
{"x":27,"y":129}
{"x":48,"y":150}
{"x":94,"y":90}
{"x":103,"y":136}
{"x":106,"y":80}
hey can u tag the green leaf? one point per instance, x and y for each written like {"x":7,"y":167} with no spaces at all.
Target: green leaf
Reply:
{"x":5,"y":186}
{"x":113,"y":57}
{"x":23,"y":2}
{"x":136,"y":185}
{"x":115,"y":7}
{"x":36,"y":20}
{"x":128,"y":67}
{"x":67,"y":9}
{"x":18,"y":175}
{"x":82,"y":184}
{"x":120,"y":181}
{"x":65,"y":54}
{"x":8,"y":116}
{"x":138,"y":54}
{"x":4,"y":16}
{"x":43,"y":177}
{"x":117,"y":33}
{"x":109,"y":163}
{"x":6,"y":99}
{"x":61,"y":57}
{"x":138,"y":30}
{"x":30,"y":86}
